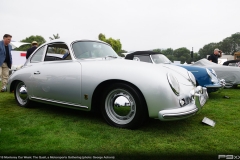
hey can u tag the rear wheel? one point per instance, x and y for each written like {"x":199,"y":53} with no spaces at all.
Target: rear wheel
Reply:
{"x":123,"y":106}
{"x":21,"y":95}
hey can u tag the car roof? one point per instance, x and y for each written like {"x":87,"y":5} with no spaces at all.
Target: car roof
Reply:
{"x":70,"y":41}
{"x":131,"y":55}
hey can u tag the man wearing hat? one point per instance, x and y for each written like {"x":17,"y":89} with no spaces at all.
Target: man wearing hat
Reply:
{"x":32,"y":49}
{"x":214,"y":57}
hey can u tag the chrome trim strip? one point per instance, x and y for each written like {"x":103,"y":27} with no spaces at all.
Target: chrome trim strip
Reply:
{"x":152,"y":59}
{"x":59,"y":102}
{"x":193,"y":71}
{"x":180,"y":114}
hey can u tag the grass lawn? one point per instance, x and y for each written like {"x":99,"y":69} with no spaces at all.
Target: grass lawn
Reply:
{"x":48,"y":130}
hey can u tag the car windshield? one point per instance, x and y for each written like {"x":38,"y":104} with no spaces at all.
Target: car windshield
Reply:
{"x":89,"y":49}
{"x":159,"y":58}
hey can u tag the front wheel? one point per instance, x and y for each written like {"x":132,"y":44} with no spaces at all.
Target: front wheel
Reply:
{"x":123,"y":106}
{"x":21,"y":95}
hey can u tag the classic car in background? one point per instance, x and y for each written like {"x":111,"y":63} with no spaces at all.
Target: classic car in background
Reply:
{"x":230,"y":74}
{"x":233,"y":63}
{"x":205,"y":77}
{"x":93,"y":77}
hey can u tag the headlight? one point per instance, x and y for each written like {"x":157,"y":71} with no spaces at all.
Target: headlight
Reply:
{"x":192,"y":78}
{"x":173,"y":83}
{"x":212,"y":76}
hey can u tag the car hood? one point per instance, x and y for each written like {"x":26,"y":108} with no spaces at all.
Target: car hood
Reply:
{"x":179,"y":72}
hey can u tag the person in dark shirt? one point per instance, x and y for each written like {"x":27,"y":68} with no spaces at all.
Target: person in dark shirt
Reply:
{"x":32,"y":49}
{"x":214,"y":57}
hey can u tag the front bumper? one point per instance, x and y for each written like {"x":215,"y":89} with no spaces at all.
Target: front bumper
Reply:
{"x":221,"y":84}
{"x":216,"y":87}
{"x":198,"y":96}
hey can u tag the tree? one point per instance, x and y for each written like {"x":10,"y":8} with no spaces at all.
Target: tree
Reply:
{"x":231,"y":44}
{"x":207,"y":50}
{"x":196,"y":57}
{"x":55,"y":49}
{"x":182,"y":54}
{"x":37,"y":38}
{"x":54,"y":37}
{"x":157,"y":50}
{"x":168,"y":52}
{"x":115,"y":43}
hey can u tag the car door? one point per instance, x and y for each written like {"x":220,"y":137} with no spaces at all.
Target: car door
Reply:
{"x":58,"y":80}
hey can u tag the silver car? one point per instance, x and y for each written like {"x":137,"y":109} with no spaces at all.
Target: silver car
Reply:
{"x":88,"y":75}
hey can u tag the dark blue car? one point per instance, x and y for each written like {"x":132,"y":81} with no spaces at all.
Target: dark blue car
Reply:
{"x":205,"y":77}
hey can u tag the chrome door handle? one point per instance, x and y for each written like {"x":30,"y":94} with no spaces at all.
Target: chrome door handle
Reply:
{"x":37,"y":72}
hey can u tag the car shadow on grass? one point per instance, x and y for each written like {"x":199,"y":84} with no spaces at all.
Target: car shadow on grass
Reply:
{"x":66,"y":112}
{"x":151,"y":125}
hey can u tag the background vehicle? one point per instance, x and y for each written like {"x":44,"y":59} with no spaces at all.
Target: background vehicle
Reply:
{"x":233,"y":63}
{"x":229,"y":73}
{"x":205,"y":77}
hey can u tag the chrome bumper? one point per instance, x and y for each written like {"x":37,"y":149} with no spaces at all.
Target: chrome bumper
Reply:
{"x":221,"y":84}
{"x":198,"y":97}
{"x":216,"y":87}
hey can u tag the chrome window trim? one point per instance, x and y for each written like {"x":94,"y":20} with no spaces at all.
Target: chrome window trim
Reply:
{"x":47,"y":45}
{"x":44,"y":51}
{"x":85,"y":41}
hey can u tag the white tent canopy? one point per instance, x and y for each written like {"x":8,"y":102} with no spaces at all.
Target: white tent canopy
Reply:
{"x":17,"y":44}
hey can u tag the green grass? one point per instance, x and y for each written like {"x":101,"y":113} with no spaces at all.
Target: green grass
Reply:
{"x":50,"y":130}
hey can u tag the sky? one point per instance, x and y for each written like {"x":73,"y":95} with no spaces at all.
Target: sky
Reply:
{"x":139,"y":24}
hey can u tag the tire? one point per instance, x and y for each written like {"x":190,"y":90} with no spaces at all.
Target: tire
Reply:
{"x":235,"y":86}
{"x":21,"y":95}
{"x":130,"y":114}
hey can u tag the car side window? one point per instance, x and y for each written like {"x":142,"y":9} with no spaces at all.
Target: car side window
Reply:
{"x":37,"y":57}
{"x":143,"y":58}
{"x":57,"y":52}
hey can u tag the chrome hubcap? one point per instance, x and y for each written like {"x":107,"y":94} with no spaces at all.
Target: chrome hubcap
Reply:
{"x":120,"y":106}
{"x":21,"y":93}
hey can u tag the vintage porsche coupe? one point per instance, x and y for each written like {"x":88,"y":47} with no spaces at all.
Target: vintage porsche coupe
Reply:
{"x":230,"y":74}
{"x":205,"y":77}
{"x":92,"y":77}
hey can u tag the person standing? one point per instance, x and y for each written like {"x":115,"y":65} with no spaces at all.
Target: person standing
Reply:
{"x":5,"y":60}
{"x":32,"y":49}
{"x":215,"y":55}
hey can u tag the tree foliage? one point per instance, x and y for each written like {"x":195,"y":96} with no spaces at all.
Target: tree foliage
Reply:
{"x":55,"y":49}
{"x":229,"y":46}
{"x":207,"y":49}
{"x":180,"y":54}
{"x":55,"y":37}
{"x":115,"y":43}
{"x":37,"y":38}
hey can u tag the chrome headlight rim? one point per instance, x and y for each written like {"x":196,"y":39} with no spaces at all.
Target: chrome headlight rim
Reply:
{"x":192,"y":78}
{"x":174,"y":84}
